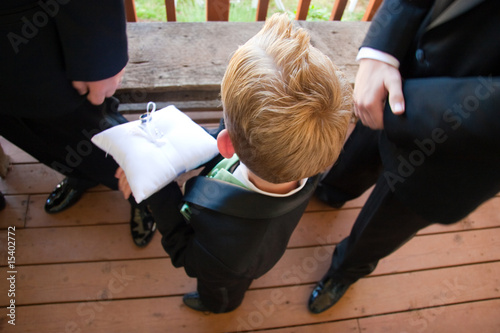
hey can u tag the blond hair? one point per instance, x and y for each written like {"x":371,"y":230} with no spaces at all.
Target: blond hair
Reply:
{"x":286,"y":107}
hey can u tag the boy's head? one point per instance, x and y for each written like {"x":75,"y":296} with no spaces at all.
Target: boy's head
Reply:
{"x":286,"y":107}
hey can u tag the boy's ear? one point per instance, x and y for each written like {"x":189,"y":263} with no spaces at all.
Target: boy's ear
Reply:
{"x":225,"y":144}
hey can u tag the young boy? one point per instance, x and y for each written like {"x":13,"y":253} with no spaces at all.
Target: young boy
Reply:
{"x":286,"y":113}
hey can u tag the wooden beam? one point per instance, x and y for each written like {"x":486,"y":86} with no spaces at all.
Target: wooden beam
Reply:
{"x":302,"y":9}
{"x":170,"y":9}
{"x":130,"y":12}
{"x":338,"y":10}
{"x":371,"y":9}
{"x":217,"y":10}
{"x":262,"y":7}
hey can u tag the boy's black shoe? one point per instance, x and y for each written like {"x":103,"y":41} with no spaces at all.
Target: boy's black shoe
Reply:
{"x":193,"y":301}
{"x":142,"y":224}
{"x":326,"y":293}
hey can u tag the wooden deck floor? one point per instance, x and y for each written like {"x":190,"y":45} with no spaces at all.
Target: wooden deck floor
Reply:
{"x":78,"y":271}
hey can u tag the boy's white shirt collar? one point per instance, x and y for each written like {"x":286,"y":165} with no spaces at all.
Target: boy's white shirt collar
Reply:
{"x":241,"y":173}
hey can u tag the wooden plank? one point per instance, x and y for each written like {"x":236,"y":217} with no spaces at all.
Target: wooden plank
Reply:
{"x":182,"y":97}
{"x":112,"y":242}
{"x":308,"y":265}
{"x":433,"y":251}
{"x":265,"y":308}
{"x":14,"y":213}
{"x":345,"y":326}
{"x":76,"y":244}
{"x":203,"y":105}
{"x":479,"y":316}
{"x":195,"y":55}
{"x":30,"y":179}
{"x":79,"y":282}
{"x":106,"y":207}
{"x":72,"y":282}
{"x":338,"y":10}
{"x":328,"y":227}
{"x":217,"y":10}
{"x":34,"y":179}
{"x":157,"y":277}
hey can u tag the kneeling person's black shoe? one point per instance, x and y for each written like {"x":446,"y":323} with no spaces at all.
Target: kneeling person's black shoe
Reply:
{"x":142,"y":224}
{"x":193,"y":301}
{"x":66,"y":194}
{"x":2,"y":201}
{"x":326,"y":293}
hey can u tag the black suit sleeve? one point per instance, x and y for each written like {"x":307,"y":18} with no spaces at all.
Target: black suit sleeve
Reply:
{"x":93,"y":38}
{"x":465,"y":109}
{"x":395,"y":25}
{"x":442,"y":156}
{"x":177,"y":235}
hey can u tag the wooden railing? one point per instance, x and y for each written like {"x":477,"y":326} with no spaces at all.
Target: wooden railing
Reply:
{"x":218,"y":10}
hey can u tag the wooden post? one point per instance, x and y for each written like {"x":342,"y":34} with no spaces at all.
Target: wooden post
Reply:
{"x":338,"y":10}
{"x":302,"y":9}
{"x":170,"y":9}
{"x":262,"y":7}
{"x":130,"y":11}
{"x":371,"y":9}
{"x":217,"y":10}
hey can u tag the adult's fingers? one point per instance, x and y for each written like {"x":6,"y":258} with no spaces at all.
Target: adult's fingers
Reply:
{"x":97,"y":96}
{"x":81,"y":87}
{"x":394,"y":86}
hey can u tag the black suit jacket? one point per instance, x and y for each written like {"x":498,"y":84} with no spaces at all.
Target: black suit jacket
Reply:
{"x":48,"y":44}
{"x":234,"y":235}
{"x":442,"y":157}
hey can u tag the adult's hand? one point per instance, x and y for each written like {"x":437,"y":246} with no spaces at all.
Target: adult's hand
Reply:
{"x":99,"y":90}
{"x":375,"y":81}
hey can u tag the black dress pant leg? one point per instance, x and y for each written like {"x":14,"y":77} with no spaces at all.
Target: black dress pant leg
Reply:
{"x":221,"y":296}
{"x":63,"y":142}
{"x":383,"y":225}
{"x":356,"y":169}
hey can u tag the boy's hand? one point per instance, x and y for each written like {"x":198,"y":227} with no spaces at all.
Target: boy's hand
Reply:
{"x":123,"y":185}
{"x":374,"y":82}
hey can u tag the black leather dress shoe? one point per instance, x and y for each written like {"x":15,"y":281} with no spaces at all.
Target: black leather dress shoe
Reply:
{"x":63,"y":196}
{"x":142,"y":224}
{"x":192,"y":300}
{"x":326,"y":293}
{"x":323,"y":194}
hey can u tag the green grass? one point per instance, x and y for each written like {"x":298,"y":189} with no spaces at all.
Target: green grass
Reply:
{"x":240,"y":10}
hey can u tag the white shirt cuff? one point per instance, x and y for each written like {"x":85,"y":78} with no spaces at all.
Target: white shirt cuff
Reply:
{"x":369,"y":53}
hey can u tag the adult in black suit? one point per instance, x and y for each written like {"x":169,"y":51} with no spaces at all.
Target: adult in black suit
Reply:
{"x":433,"y":150}
{"x":60,"y":63}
